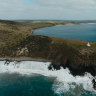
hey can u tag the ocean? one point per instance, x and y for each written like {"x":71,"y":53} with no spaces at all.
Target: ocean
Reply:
{"x":86,"y":32}
{"x":31,"y":78}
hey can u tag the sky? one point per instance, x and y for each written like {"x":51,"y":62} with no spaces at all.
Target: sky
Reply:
{"x":48,"y":9}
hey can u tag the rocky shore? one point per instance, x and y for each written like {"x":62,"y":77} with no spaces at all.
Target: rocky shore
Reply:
{"x":19,"y":44}
{"x":73,"y":54}
{"x":79,"y":59}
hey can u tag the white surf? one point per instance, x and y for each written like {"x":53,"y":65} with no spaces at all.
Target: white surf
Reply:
{"x":64,"y":79}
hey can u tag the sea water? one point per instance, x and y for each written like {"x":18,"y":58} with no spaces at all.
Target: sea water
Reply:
{"x":30,"y":78}
{"x":85,"y":32}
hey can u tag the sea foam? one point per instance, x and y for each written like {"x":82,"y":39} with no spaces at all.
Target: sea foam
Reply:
{"x":64,"y":79}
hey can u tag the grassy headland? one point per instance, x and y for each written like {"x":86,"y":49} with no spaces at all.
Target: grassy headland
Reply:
{"x":17,"y":40}
{"x":13,"y":32}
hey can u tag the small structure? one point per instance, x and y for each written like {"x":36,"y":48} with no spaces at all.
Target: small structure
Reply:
{"x":88,"y":44}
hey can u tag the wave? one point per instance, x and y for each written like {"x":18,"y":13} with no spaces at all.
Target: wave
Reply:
{"x":64,"y":79}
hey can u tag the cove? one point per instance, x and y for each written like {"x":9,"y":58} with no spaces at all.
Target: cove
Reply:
{"x":86,"y":32}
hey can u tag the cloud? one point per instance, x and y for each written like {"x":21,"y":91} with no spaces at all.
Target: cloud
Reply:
{"x":68,"y":3}
{"x":48,"y":9}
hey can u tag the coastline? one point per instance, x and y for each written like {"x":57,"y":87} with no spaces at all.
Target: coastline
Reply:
{"x":35,"y":59}
{"x":60,"y":24}
{"x":73,"y":54}
{"x":40,"y":59}
{"x":20,"y":59}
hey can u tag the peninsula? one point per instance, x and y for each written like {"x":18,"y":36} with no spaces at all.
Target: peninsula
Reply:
{"x":18,"y":43}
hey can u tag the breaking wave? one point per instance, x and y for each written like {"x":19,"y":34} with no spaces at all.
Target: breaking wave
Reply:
{"x":64,"y":81}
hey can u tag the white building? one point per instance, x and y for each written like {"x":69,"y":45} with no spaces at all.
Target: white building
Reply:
{"x":88,"y":44}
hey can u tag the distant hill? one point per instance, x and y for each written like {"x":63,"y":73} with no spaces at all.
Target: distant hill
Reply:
{"x":69,"y":21}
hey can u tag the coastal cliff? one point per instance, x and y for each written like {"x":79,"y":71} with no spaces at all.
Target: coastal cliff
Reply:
{"x":58,"y":51}
{"x":73,"y":54}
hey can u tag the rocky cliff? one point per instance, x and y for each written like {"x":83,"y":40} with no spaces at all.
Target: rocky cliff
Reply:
{"x":16,"y":41}
{"x":78,"y":58}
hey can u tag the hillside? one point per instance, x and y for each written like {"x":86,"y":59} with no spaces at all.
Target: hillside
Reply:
{"x":17,"y":40}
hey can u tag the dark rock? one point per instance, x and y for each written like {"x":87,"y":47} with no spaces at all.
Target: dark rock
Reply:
{"x":7,"y":61}
{"x":54,"y":66}
{"x":76,"y":66}
{"x":94,"y":84}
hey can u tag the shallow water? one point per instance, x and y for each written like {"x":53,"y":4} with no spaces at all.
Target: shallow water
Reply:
{"x":29,"y":78}
{"x":85,"y":32}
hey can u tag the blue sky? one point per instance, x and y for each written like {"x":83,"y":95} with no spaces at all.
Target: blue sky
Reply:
{"x":48,"y":9}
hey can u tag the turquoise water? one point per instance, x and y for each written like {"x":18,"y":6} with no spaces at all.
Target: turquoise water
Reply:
{"x":17,"y":85}
{"x":29,"y":78}
{"x":85,"y":32}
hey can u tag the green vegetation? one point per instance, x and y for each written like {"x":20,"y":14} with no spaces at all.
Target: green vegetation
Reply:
{"x":12,"y":33}
{"x":17,"y":40}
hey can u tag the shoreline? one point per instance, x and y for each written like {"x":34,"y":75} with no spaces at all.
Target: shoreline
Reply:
{"x":39,"y":59}
{"x":20,"y":59}
{"x":34,"y":59}
{"x":61,"y":24}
